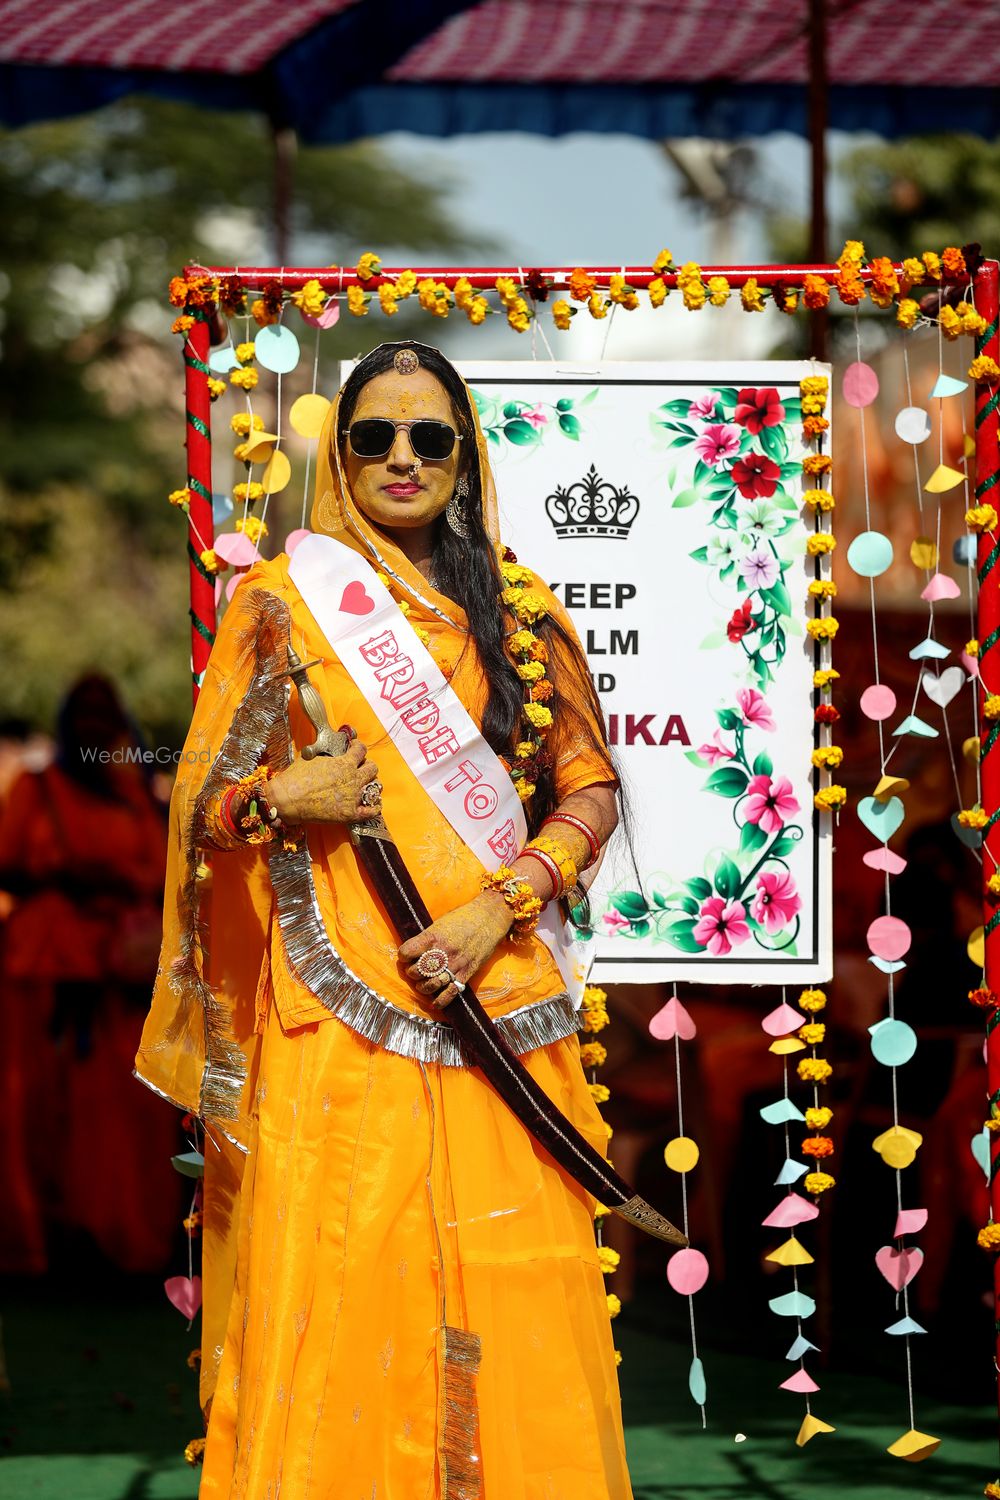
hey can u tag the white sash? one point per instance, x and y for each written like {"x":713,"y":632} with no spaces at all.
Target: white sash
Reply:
{"x":423,"y":716}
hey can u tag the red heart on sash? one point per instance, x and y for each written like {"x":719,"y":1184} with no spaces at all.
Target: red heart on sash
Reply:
{"x":355,"y":601}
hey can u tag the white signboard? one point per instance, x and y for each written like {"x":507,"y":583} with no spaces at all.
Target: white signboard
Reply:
{"x":663,"y":504}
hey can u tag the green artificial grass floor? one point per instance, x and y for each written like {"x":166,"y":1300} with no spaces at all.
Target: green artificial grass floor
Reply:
{"x":102,"y":1403}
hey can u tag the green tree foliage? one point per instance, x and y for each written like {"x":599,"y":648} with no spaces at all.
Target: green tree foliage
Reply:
{"x":96,"y":214}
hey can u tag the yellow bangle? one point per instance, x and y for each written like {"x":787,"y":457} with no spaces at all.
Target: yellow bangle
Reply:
{"x":519,"y":896}
{"x":560,"y":857}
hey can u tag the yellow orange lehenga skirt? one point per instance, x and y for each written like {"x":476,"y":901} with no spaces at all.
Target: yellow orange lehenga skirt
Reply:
{"x":382,"y":1198}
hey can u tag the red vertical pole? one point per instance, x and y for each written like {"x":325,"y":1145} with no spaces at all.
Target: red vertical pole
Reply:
{"x":197,"y":403}
{"x":987,"y":301}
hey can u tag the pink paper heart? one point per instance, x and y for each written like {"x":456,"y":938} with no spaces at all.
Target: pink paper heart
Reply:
{"x":782,"y":1021}
{"x":673,"y":1020}
{"x":293,"y":538}
{"x":185,"y":1293}
{"x":792,"y":1210}
{"x":899,"y":1266}
{"x":235,"y":581}
{"x":970,"y":664}
{"x":909,"y":1221}
{"x":940,"y":587}
{"x":884,"y":860}
{"x":687,"y":1271}
{"x":801,"y":1382}
{"x":236,"y":548}
{"x":326,"y":318}
{"x":354,"y":600}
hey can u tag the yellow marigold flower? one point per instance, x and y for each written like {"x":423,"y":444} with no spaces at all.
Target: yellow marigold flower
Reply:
{"x":988,"y":1237}
{"x":818,"y":1119}
{"x":984,"y":367}
{"x":600,"y":1212}
{"x":525,"y":789}
{"x":434,"y":297}
{"x":210,"y":560}
{"x":368,"y":266}
{"x":519,"y":316}
{"x":508,"y":289}
{"x":852,"y":254}
{"x":215,"y":388}
{"x":950,"y":323}
{"x":907,"y":312}
{"x":599,"y":1092}
{"x":812,"y":1000}
{"x":751,"y":295}
{"x":981,"y":518}
{"x":823,"y":588}
{"x":512,"y":572}
{"x":663,"y":262}
{"x":387,"y":299}
{"x":972,"y":647}
{"x":181,"y":498}
{"x":522,"y":642}
{"x":991,"y":706}
{"x":537,"y":715}
{"x":830,"y":798}
{"x":262,"y":314}
{"x":825,"y":676}
{"x":532,"y":671}
{"x":595,"y":1020}
{"x":247,"y":492}
{"x":824,"y":629}
{"x":818,"y":1182}
{"x":993,"y":884}
{"x":718,"y":291}
{"x":820,"y":543}
{"x":594,"y":995}
{"x":819,"y":499}
{"x":597,"y":305}
{"x":992,"y":1125}
{"x":658,"y":291}
{"x":406,"y":285}
{"x":245,"y":352}
{"x":614,"y":1305}
{"x":357,"y":301}
{"x":812,"y":1033}
{"x":310,"y":299}
{"x":194,"y":1453}
{"x":913,"y":271}
{"x":526,"y":604}
{"x":814,"y":385}
{"x":477,"y":310}
{"x":463,"y":293}
{"x":422,"y":635}
{"x":253,"y":527}
{"x":972,"y":322}
{"x":607,"y":1259}
{"x":973,"y":817}
{"x":619,"y":291}
{"x":182,"y":324}
{"x":932,"y":264}
{"x":694,"y":297}
{"x":817,"y":463}
{"x":243,"y":424}
{"x":524,"y":750}
{"x":593,"y":1054}
{"x":245,"y":379}
{"x":828,"y":757}
{"x":993,"y":1491}
{"x":812,"y":406}
{"x":562,"y":314}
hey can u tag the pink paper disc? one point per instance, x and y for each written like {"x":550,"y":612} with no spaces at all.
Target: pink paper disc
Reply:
{"x":878,"y":701}
{"x":889,"y":937}
{"x":687,"y":1271}
{"x":860,"y":384}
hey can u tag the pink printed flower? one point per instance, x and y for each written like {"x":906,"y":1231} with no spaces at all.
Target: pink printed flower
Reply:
{"x":537,"y":416}
{"x":756,"y":409}
{"x":703,"y":407}
{"x":776,"y":901}
{"x":716,"y":751}
{"x":755,"y":709}
{"x":770,"y":802}
{"x":721,"y":925}
{"x":760,"y":568}
{"x":718,"y":442}
{"x":614,"y":922}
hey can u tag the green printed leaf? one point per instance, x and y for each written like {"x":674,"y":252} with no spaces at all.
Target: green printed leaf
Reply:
{"x":520,"y":432}
{"x":639,"y":930}
{"x":752,"y":837}
{"x":689,"y":904}
{"x":727,"y":781}
{"x":685,"y":498}
{"x":727,"y":878}
{"x":678,"y":408}
{"x":763,"y":764}
{"x":680,"y":934}
{"x":564,"y":404}
{"x":693,"y":757}
{"x":728,"y":718}
{"x":512,"y":408}
{"x":782,"y":845}
{"x":778,"y":596}
{"x":493,"y":436}
{"x":570,"y":425}
{"x":630,"y":904}
{"x":713,"y":640}
{"x":727,"y":394}
{"x":591,"y":396}
{"x":774,"y":444}
{"x":700,"y":554}
{"x":699,"y":887}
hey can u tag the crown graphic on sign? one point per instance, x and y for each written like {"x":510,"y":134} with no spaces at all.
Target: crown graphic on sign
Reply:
{"x":591,"y":507}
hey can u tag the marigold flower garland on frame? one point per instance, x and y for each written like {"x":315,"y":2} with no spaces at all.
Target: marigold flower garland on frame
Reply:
{"x":817,"y":468}
{"x":531,"y":656}
{"x":593,"y":1054}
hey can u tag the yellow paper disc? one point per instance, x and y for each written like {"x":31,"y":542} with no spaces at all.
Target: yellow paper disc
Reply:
{"x":785,"y":1045}
{"x":923,"y":553}
{"x":976,"y":947}
{"x":277,"y":473}
{"x":898,"y":1145}
{"x":681,"y":1154}
{"x":970,"y":748}
{"x":308,"y":414}
{"x":258,"y":446}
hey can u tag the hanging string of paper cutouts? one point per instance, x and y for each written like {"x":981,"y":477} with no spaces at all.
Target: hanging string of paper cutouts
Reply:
{"x":687,"y":1269}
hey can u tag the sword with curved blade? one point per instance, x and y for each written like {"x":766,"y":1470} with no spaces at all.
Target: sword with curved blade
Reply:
{"x":485,"y":1045}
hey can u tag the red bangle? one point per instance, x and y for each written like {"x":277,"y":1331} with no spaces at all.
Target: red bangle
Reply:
{"x":550,"y":867}
{"x":581,"y":827}
{"x":226,"y":813}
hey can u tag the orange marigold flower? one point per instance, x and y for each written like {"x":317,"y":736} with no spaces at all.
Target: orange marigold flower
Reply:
{"x":953,"y":261}
{"x":850,"y":287}
{"x":812,"y":426}
{"x":885,"y":282}
{"x":182,"y":324}
{"x":984,"y":998}
{"x":816,"y":291}
{"x":177,"y":291}
{"x":581,"y":284}
{"x":817,"y":1146}
{"x":541,"y":692}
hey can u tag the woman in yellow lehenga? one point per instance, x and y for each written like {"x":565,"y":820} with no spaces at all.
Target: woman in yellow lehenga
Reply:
{"x":366,"y":1189}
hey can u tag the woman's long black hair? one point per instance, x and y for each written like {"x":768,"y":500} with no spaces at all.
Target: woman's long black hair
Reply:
{"x":467,"y":570}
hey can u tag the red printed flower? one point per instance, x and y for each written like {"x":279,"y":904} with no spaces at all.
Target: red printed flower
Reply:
{"x":758,"y":408}
{"x":741,"y":622}
{"x":755,"y":476}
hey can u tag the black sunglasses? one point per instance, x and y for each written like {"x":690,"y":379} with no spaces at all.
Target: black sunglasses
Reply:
{"x":372,"y":437}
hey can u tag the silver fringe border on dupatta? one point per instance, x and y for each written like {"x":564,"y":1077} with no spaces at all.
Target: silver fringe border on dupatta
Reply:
{"x":322,"y":970}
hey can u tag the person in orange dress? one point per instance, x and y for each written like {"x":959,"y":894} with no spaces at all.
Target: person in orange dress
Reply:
{"x":82,"y":853}
{"x":402,"y":1292}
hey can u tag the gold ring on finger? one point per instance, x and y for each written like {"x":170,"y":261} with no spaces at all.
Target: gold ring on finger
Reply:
{"x":432,"y":963}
